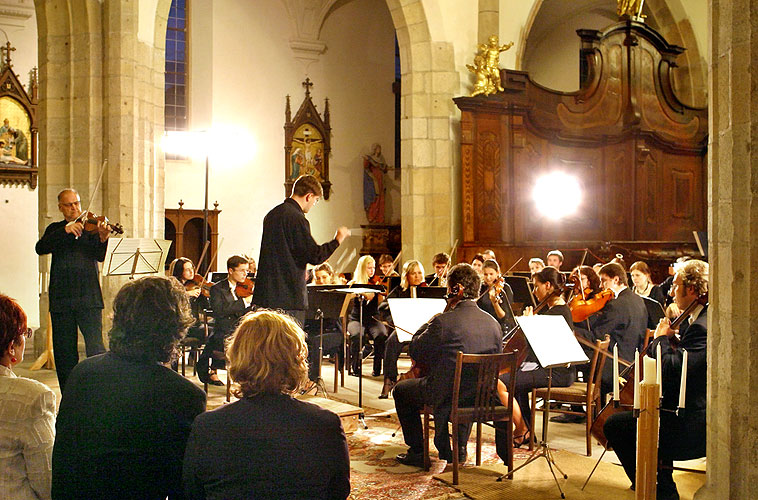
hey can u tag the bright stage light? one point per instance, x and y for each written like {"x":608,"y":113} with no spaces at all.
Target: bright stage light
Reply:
{"x":557,"y":195}
{"x":223,"y":144}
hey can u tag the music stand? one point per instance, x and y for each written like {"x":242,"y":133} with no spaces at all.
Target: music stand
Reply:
{"x":408,"y":315}
{"x":522,"y":293}
{"x":655,"y":312}
{"x":323,"y":302}
{"x":553,"y":342}
{"x":130,"y":256}
{"x":431,"y":292}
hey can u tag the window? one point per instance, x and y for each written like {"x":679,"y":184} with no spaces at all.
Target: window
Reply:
{"x":177,"y":73}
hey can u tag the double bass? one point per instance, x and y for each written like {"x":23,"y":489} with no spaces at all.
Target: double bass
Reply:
{"x":626,"y":394}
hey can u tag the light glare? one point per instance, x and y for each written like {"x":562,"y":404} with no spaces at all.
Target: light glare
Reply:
{"x":557,"y":195}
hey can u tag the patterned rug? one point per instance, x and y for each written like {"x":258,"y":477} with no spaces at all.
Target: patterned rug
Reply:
{"x":376,"y":475}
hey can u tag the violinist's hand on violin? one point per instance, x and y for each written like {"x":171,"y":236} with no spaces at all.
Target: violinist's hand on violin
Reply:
{"x":493,"y":294}
{"x":75,"y":227}
{"x":195,"y":293}
{"x":528,"y":311}
{"x":103,"y":231}
{"x":342,"y":233}
{"x":663,"y":328}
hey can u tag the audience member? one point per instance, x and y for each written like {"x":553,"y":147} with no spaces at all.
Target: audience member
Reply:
{"x":27,"y":415}
{"x":125,"y":417}
{"x":268,"y":444}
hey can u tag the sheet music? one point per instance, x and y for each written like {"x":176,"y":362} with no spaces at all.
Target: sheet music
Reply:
{"x":410,"y":314}
{"x":552,"y":340}
{"x":121,"y":253}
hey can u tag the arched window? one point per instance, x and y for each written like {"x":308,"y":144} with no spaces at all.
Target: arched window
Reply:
{"x":177,"y":72}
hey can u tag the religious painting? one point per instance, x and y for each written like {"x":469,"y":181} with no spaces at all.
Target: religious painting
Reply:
{"x":307,"y":156}
{"x":15,"y":132}
{"x":307,"y":143}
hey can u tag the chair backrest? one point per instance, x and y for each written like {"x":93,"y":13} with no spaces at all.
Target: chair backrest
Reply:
{"x":596,"y":368}
{"x":489,"y":366}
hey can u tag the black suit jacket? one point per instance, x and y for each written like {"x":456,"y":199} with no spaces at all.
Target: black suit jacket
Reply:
{"x":74,"y":279}
{"x":121,"y":430}
{"x":227,"y":310}
{"x":267,"y":447}
{"x":625,"y":320}
{"x":286,"y":248}
{"x":467,"y":329}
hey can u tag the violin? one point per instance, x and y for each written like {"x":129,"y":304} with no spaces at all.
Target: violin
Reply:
{"x":91,"y":221}
{"x":571,"y":283}
{"x":582,"y":307}
{"x":626,"y":394}
{"x":244,"y":289}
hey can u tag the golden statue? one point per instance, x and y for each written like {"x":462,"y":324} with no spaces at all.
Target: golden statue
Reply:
{"x":631,"y":8}
{"x":486,"y":66}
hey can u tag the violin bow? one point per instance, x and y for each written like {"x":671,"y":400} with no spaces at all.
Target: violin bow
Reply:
{"x":202,"y":254}
{"x":514,"y":265}
{"x":213,"y":259}
{"x":94,"y":191}
{"x":447,"y":266}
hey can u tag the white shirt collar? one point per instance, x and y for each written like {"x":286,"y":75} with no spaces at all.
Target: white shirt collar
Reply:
{"x":6,"y":372}
{"x":695,"y":313}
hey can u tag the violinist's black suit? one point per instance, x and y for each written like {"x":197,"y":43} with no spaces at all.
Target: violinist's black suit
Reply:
{"x":681,"y":437}
{"x":75,"y":297}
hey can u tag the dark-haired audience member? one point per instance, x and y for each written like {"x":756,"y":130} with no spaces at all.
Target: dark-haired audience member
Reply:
{"x":477,"y":262}
{"x":372,"y":328}
{"x":555,"y":259}
{"x":268,"y":444}
{"x":495,"y":303}
{"x":467,"y":329}
{"x":411,"y":277}
{"x":547,"y":284}
{"x":643,"y":284}
{"x":27,"y":414}
{"x":441,"y":264}
{"x":125,"y":417}
{"x":536,"y":265}
{"x":624,"y":318}
{"x":227,"y":308}
{"x":287,"y":247}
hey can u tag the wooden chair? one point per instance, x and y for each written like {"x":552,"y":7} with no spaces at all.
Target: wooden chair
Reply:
{"x":580,"y":393}
{"x":486,"y":407}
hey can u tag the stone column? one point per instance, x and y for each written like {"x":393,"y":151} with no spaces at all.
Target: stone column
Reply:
{"x":101,"y":98}
{"x":489,"y":19}
{"x":733,"y":224}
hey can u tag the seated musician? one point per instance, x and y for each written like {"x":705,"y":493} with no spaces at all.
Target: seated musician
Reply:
{"x":465,"y":328}
{"x":227,"y":311}
{"x":643,"y":284}
{"x":373,"y":329}
{"x":536,"y":265}
{"x":323,"y":274}
{"x":440,"y":263}
{"x":682,"y":436}
{"x":183,"y":270}
{"x":385,"y":266}
{"x":624,"y":318}
{"x":555,"y":259}
{"x":489,"y":255}
{"x":477,"y":262}
{"x":667,"y":283}
{"x":547,"y":289}
{"x":492,"y":302}
{"x":411,"y":277}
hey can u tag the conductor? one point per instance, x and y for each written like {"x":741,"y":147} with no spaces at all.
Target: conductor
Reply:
{"x":287,"y":247}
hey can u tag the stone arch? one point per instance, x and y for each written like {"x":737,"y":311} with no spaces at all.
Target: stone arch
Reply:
{"x":667,"y":17}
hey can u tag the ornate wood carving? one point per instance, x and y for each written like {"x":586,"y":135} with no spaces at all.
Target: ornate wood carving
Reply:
{"x":184,"y":227}
{"x":637,"y":152}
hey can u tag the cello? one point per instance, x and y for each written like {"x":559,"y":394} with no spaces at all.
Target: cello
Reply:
{"x":626,"y":394}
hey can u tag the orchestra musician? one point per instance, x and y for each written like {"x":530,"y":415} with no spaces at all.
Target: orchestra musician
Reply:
{"x":477,"y":262}
{"x":548,"y":284}
{"x":411,"y":277}
{"x":323,"y":274}
{"x":555,"y":259}
{"x":75,"y":297}
{"x":227,"y":308}
{"x":643,"y":285}
{"x":495,"y":296}
{"x":440,"y":263}
{"x":287,"y":247}
{"x":183,"y":270}
{"x":536,"y":265}
{"x":385,"y":266}
{"x":372,"y":328}
{"x":681,"y":436}
{"x":489,"y":255}
{"x":465,"y":328}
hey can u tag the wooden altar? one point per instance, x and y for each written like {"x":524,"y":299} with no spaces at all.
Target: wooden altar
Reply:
{"x":637,"y":152}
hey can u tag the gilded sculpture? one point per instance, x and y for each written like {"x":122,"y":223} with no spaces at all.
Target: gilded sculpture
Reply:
{"x":486,"y":67}
{"x":631,"y":8}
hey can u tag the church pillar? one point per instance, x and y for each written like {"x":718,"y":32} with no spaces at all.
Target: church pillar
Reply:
{"x":101,"y":98}
{"x":429,"y":82}
{"x":733,"y":222}
{"x":489,"y":19}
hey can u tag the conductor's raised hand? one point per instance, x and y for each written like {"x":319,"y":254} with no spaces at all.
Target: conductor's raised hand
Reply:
{"x":342,"y":233}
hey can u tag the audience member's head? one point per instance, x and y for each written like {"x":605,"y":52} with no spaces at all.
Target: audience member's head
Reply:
{"x":267,"y":355}
{"x":13,"y":332}
{"x":465,"y":276}
{"x":150,"y":316}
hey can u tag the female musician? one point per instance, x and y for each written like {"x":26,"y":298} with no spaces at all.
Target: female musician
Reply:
{"x":183,"y":270}
{"x":495,"y":296}
{"x":372,"y":328}
{"x":536,"y":265}
{"x":323,"y":274}
{"x":547,"y":286}
{"x":411,"y":277}
{"x":643,"y":286}
{"x":478,"y":263}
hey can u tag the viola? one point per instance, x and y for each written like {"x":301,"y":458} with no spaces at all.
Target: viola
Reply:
{"x":244,"y":289}
{"x":91,"y":220}
{"x":582,"y":307}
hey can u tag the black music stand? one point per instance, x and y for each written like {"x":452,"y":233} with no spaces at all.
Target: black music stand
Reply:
{"x":323,"y":302}
{"x":553,"y":342}
{"x":522,"y":293}
{"x":655,"y":312}
{"x":431,"y":292}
